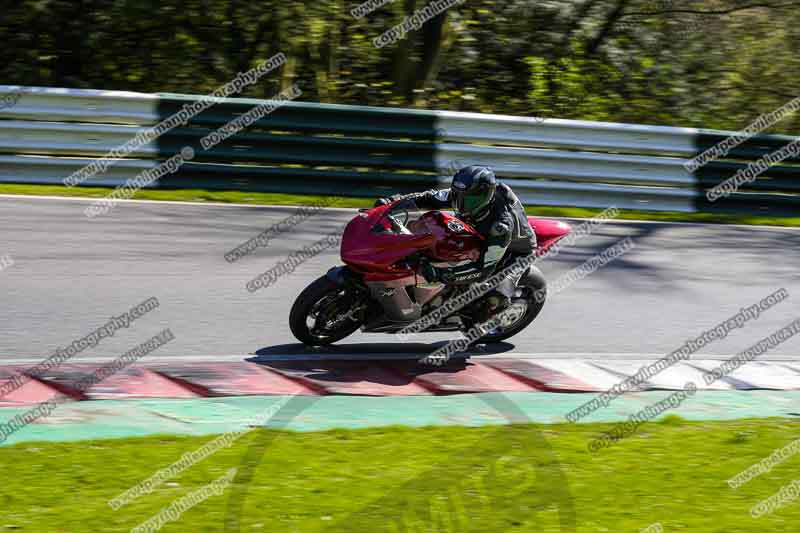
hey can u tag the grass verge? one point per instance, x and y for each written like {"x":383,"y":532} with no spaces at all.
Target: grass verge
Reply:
{"x":520,"y":478}
{"x":257,"y":198}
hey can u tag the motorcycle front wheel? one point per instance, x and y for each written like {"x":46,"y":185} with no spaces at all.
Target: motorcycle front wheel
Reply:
{"x":323,"y":314}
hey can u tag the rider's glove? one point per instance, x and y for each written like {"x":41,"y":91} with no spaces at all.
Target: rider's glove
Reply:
{"x":383,"y":201}
{"x":430,"y":272}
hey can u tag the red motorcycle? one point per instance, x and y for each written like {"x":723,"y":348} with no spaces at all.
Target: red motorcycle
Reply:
{"x":381,"y":289}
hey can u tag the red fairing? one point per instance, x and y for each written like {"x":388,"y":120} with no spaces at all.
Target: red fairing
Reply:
{"x":371,"y":247}
{"x":367,"y":251}
{"x":548,"y":232}
{"x":440,"y":236}
{"x":455,"y":240}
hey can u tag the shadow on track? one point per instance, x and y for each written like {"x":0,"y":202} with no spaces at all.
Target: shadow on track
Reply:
{"x":382,"y":365}
{"x":370,"y":351}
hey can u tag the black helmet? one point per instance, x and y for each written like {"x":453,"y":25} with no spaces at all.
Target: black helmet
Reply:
{"x":472,"y":190}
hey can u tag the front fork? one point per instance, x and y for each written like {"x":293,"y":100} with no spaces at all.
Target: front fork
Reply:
{"x":357,"y":293}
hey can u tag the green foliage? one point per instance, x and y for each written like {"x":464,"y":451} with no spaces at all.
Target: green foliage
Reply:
{"x":672,"y":420}
{"x":716,"y":64}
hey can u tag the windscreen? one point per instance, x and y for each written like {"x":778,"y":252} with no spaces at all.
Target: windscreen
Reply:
{"x":401,"y":219}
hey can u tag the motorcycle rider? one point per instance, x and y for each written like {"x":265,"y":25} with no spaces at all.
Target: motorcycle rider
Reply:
{"x":493,"y":210}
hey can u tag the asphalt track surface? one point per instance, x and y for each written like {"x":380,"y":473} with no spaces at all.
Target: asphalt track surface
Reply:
{"x":72,"y":273}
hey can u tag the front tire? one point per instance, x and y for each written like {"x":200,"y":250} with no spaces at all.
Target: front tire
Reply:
{"x":320,"y":317}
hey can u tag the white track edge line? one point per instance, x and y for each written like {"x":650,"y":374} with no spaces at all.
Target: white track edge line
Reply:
{"x":352,"y":209}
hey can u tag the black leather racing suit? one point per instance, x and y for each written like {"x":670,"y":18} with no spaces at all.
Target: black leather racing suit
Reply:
{"x":504,"y":225}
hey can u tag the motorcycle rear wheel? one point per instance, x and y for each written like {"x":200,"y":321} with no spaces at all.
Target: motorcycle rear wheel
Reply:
{"x":533,"y":289}
{"x":322,"y":300}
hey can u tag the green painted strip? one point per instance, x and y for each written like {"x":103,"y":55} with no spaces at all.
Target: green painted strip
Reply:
{"x":131,"y":418}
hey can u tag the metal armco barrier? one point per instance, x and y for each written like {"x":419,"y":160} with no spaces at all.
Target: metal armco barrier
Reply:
{"x":368,"y":151}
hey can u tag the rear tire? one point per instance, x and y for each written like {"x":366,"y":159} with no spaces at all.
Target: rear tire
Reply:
{"x":306,"y":304}
{"x":534,"y":290}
